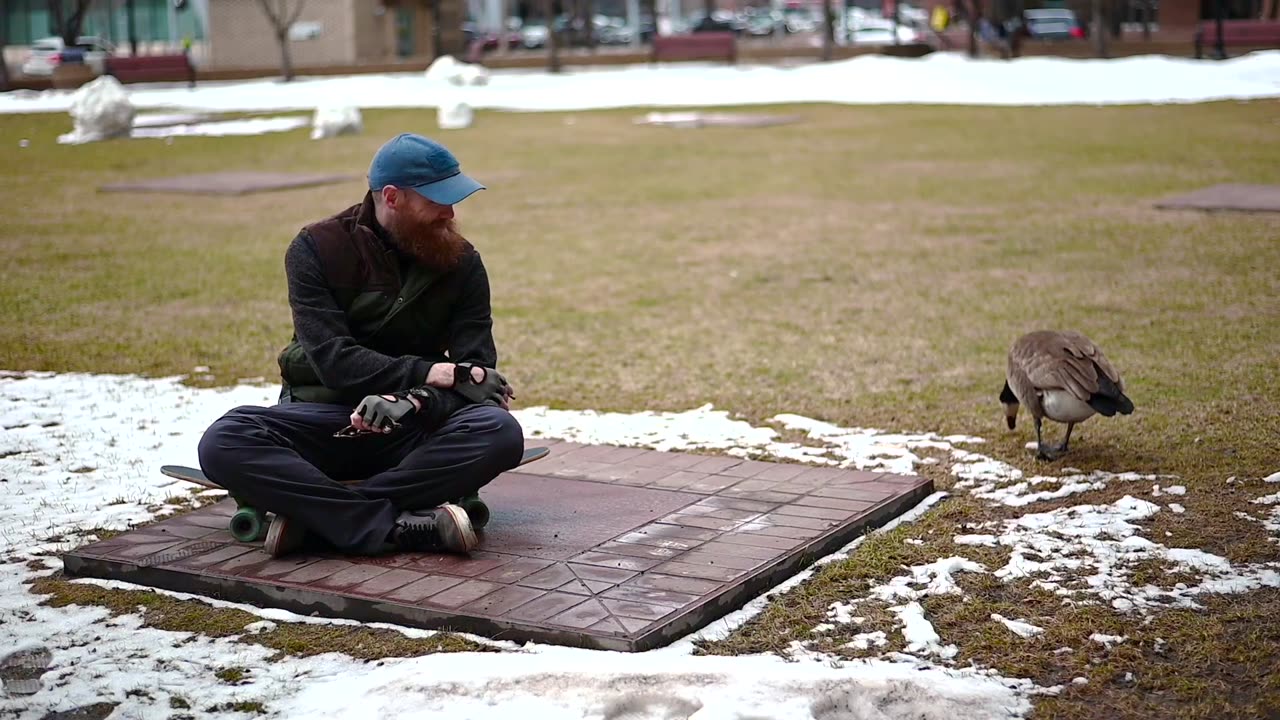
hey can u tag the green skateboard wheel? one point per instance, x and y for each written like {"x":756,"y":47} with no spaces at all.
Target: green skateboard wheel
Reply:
{"x":477,"y":511}
{"x":248,"y":525}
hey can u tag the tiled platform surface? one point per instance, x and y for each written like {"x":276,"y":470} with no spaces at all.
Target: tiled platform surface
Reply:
{"x":594,"y":546}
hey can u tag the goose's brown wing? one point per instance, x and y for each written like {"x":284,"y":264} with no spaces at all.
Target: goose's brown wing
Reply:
{"x":1057,"y":361}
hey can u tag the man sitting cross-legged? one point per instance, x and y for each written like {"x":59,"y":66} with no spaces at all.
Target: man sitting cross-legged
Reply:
{"x":379,"y":294}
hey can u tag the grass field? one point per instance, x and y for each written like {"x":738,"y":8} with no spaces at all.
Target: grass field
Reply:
{"x":868,"y":266}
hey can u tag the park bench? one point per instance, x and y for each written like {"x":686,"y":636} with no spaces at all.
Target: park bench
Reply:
{"x":152,"y":68}
{"x":1238,"y":33}
{"x":697,"y":46}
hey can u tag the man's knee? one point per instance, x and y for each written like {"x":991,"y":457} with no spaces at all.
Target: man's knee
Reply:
{"x":504,"y":436}
{"x":221,"y":440}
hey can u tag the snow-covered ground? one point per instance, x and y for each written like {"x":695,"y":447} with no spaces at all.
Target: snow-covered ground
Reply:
{"x":939,"y":78}
{"x":81,"y":451}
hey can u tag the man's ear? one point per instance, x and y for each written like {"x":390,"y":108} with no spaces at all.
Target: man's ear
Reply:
{"x":390,"y":196}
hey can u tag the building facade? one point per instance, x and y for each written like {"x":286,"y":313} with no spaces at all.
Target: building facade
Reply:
{"x":335,"y":32}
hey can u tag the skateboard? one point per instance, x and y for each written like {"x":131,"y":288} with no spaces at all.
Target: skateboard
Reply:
{"x":248,"y":524}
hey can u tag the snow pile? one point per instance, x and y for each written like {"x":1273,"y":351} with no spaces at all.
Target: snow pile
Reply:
{"x":334,"y":120}
{"x":939,"y":78}
{"x":449,"y":69}
{"x":454,"y":114}
{"x":1021,"y":628}
{"x":100,"y":110}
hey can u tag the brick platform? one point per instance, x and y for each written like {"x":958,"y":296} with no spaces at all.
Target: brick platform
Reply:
{"x":594,"y":546}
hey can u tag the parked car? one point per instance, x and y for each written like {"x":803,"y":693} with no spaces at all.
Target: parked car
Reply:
{"x":877,"y":31}
{"x":1053,"y":24}
{"x":48,"y":53}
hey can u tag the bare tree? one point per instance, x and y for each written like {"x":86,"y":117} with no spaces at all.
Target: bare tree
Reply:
{"x":1099,"y":29}
{"x":828,"y":30}
{"x":4,"y":41}
{"x":553,"y":42}
{"x":68,"y":26}
{"x":975,"y":11}
{"x":282,"y":19}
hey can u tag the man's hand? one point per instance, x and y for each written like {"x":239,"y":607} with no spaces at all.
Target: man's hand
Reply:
{"x":441,"y":375}
{"x":487,"y":386}
{"x":382,"y":413}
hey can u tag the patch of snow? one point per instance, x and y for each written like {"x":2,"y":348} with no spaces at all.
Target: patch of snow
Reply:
{"x":935,"y":576}
{"x":1268,"y":499}
{"x":1107,"y":640}
{"x":912,"y":541}
{"x":842,"y":613}
{"x":984,"y":540}
{"x":863,"y":641}
{"x":455,"y":114}
{"x":225,"y":128}
{"x":1273,"y":477}
{"x":919,"y":633}
{"x":334,"y":120}
{"x":95,"y":464}
{"x":1176,"y":490}
{"x":1021,"y":628}
{"x":260,"y":626}
{"x":1175,"y":507}
{"x":1079,"y":681}
{"x":939,"y":78}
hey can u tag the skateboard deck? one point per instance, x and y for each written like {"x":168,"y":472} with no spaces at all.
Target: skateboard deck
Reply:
{"x":249,"y":524}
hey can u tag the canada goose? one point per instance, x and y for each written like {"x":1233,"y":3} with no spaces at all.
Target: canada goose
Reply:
{"x":1062,"y":376}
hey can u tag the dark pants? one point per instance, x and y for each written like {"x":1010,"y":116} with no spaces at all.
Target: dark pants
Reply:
{"x":284,"y":459}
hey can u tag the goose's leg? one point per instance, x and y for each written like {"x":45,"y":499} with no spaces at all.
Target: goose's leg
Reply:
{"x":1044,"y":452}
{"x":1063,"y":447}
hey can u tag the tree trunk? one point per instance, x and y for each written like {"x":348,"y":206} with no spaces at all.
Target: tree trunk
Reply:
{"x":4,"y":42}
{"x":975,"y":12}
{"x":828,"y":30}
{"x":1100,"y":30}
{"x":1146,"y":20}
{"x":708,"y":7}
{"x":286,"y":60}
{"x":68,"y":28}
{"x":281,"y":20}
{"x":131,"y":12}
{"x":553,"y":43}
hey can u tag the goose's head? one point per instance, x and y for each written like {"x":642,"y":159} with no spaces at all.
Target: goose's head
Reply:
{"x":1011,"y":405}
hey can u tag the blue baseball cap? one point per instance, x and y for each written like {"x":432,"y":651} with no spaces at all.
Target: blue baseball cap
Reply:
{"x":412,"y":161}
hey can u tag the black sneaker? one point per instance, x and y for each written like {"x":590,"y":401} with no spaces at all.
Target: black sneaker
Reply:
{"x":444,"y":528}
{"x":284,"y":537}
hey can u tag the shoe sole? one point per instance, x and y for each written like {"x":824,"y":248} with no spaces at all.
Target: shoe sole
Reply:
{"x":462,"y":522}
{"x":274,"y":544}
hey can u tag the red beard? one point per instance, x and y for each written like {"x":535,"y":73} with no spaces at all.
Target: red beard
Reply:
{"x":437,"y":245}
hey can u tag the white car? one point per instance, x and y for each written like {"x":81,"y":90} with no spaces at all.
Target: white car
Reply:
{"x":47,"y":54}
{"x":872,"y":31}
